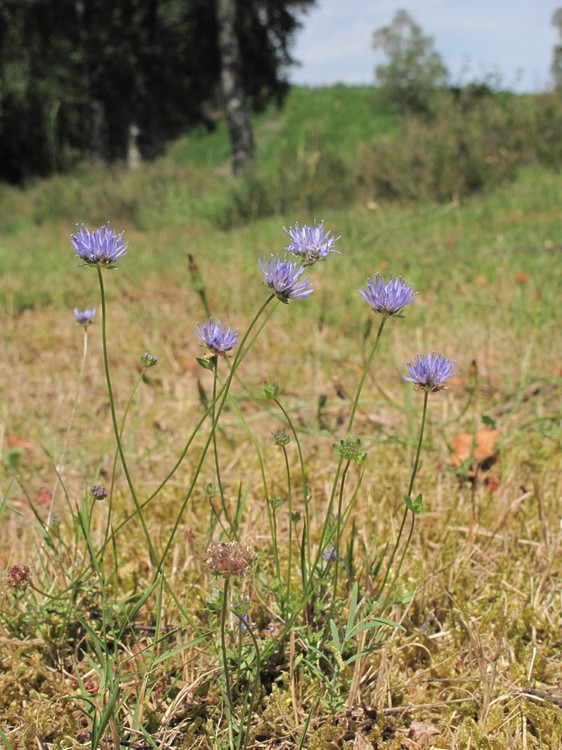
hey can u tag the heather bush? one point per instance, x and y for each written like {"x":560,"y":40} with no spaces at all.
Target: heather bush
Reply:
{"x":474,"y":141}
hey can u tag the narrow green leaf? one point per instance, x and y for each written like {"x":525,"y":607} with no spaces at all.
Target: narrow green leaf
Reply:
{"x":335,"y":635}
{"x":352,"y":611}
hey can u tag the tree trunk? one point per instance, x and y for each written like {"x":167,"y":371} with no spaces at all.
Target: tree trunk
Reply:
{"x":241,"y":138}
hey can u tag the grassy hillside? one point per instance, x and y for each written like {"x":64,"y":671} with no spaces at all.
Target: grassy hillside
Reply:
{"x":100,"y":642}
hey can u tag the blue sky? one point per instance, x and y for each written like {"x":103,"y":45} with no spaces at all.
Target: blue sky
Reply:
{"x":511,"y":38}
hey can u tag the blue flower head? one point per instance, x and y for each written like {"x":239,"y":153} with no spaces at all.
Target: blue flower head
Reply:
{"x":282,"y":277}
{"x":101,"y":248}
{"x":217,"y":339}
{"x":429,"y":371}
{"x":149,"y":360}
{"x":388,"y":299}
{"x":85,"y":318}
{"x":311,"y":244}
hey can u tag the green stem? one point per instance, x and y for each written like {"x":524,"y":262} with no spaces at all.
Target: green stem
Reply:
{"x":290,"y":508}
{"x":406,"y":510}
{"x":306,"y":530}
{"x":270,"y":512}
{"x":59,"y":468}
{"x":223,"y":393}
{"x":215,"y":446}
{"x":255,"y":689}
{"x":115,"y":457}
{"x":365,"y":373}
{"x":339,"y":522}
{"x":349,"y":427}
{"x":138,"y":509}
{"x":226,"y":670}
{"x":223,"y":397}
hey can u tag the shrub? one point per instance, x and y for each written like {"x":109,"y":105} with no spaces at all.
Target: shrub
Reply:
{"x":473,"y":142}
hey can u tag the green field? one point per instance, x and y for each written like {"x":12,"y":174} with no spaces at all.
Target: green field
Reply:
{"x":477,"y":663}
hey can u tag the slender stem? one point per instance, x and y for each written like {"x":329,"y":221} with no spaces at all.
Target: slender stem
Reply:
{"x":290,"y":508}
{"x":223,"y":397}
{"x":68,"y":430}
{"x":116,"y":432}
{"x":215,"y":446}
{"x":365,"y":373}
{"x":255,"y":689}
{"x":339,"y":522}
{"x":349,"y":427}
{"x":406,"y":510}
{"x":306,"y":530}
{"x":420,"y":442}
{"x":226,"y":670}
{"x":270,"y":511}
{"x":115,"y":457}
{"x":223,"y":393}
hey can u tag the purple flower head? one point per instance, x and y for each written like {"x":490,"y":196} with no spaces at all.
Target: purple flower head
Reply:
{"x":388,"y":299}
{"x":98,"y":492}
{"x":429,"y":371}
{"x":311,"y":244}
{"x":282,"y":278}
{"x":215,"y":338}
{"x":85,"y":318}
{"x":101,"y":248}
{"x":329,"y":553}
{"x":19,"y":576}
{"x":149,"y":360}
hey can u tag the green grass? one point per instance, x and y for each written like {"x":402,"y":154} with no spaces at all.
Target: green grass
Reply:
{"x":479,"y":659}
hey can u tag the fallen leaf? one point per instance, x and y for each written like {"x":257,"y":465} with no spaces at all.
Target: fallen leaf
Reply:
{"x":13,"y":441}
{"x":478,"y":448}
{"x":420,"y":735}
{"x":362,"y":743}
{"x":45,"y":497}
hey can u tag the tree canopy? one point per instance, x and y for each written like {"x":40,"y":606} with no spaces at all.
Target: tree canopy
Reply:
{"x":556,"y":64}
{"x":414,"y":70}
{"x":81,"y":77}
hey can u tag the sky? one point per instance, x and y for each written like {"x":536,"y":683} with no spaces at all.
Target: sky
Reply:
{"x":512,"y":39}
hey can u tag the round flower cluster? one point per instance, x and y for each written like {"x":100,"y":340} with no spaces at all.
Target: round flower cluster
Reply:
{"x":230,"y":559}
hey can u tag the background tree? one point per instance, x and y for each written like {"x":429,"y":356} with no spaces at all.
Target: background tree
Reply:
{"x":556,"y":64}
{"x":233,"y":93}
{"x":88,"y":77}
{"x":414,"y":70}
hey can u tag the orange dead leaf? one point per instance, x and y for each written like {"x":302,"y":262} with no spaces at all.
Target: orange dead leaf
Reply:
{"x":13,"y":441}
{"x":477,"y":447}
{"x":521,"y":277}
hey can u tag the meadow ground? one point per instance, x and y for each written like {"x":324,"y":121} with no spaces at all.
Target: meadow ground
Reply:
{"x":99,"y":642}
